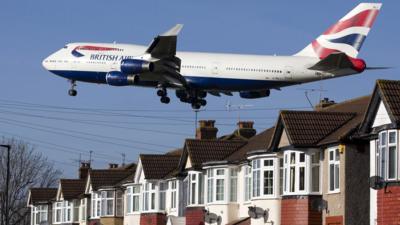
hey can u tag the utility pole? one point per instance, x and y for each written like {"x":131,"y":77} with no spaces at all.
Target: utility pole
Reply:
{"x":7,"y":185}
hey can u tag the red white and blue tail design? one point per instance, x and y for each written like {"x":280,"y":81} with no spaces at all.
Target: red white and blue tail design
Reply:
{"x":347,"y":35}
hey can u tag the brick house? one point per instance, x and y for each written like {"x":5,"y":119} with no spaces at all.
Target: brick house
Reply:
{"x":324,"y":171}
{"x":381,"y":128}
{"x":40,"y":204}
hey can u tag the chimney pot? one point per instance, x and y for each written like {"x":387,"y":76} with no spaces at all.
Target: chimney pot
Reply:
{"x":84,"y":170}
{"x":113,"y":165}
{"x":323,"y":103}
{"x":246,"y":129}
{"x":206,"y":130}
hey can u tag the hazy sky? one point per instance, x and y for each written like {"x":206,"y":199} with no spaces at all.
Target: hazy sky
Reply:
{"x":34,"y":105}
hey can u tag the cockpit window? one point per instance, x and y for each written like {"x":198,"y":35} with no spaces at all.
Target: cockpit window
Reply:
{"x":66,"y":46}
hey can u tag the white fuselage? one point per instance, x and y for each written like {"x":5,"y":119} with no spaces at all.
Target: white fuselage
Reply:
{"x":205,"y":71}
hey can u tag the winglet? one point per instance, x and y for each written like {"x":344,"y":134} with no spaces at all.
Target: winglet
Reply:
{"x":173,"y":31}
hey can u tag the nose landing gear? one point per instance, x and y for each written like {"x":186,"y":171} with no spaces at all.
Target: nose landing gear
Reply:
{"x":72,"y":91}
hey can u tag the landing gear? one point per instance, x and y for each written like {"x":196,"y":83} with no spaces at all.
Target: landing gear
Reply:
{"x":72,"y":91}
{"x":162,"y":92}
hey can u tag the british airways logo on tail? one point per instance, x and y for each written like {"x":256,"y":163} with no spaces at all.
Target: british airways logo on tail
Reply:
{"x":76,"y":51}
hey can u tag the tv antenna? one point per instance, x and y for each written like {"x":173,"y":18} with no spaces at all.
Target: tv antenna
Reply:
{"x":123,"y":158}
{"x":307,"y":90}
{"x":238,"y":107}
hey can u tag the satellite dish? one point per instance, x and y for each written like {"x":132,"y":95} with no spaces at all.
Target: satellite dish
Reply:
{"x":257,"y":212}
{"x":319,"y":204}
{"x":376,"y":182}
{"x":212,"y":218}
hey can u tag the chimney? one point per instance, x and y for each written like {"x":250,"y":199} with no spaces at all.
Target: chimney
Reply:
{"x":113,"y":165}
{"x":245,"y":129}
{"x":206,"y":130}
{"x":84,"y":170}
{"x":325,"y":102}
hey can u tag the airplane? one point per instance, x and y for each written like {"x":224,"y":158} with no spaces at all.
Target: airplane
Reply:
{"x":193,"y":75}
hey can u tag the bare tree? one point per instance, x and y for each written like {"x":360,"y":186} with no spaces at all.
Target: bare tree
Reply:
{"x":28,"y":168}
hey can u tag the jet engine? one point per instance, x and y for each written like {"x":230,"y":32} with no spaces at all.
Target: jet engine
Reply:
{"x":254,"y":94}
{"x":136,"y":66}
{"x":116,"y":78}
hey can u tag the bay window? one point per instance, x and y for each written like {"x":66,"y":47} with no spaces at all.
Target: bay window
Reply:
{"x":247,"y":181}
{"x":387,"y":157}
{"x":173,"y":188}
{"x":334,"y":170}
{"x":58,"y":207}
{"x":149,"y":197}
{"x":263,"y":178}
{"x":268,"y":177}
{"x":210,"y":185}
{"x":67,"y":206}
{"x":132,"y":199}
{"x":301,"y":172}
{"x":220,"y":185}
{"x":62,"y":212}
{"x":256,"y":177}
{"x":196,"y":188}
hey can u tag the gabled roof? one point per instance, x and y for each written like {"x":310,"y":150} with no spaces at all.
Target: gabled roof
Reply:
{"x":316,"y":128}
{"x":41,"y":195}
{"x":158,"y":166}
{"x":109,"y":177}
{"x":387,"y":91}
{"x":72,"y":188}
{"x":259,"y":142}
{"x":202,"y":151}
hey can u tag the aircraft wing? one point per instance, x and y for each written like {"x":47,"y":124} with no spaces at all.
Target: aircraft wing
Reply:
{"x":163,"y":48}
{"x":164,"y":45}
{"x":333,"y":62}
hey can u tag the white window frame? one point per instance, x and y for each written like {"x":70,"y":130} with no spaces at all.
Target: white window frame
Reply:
{"x":335,"y":162}
{"x":247,"y":184}
{"x":233,"y":184}
{"x":82,"y":210}
{"x":315,"y":165}
{"x":133,"y":194}
{"x":383,"y":158}
{"x":256,"y":178}
{"x":210,"y":185}
{"x":39,"y":214}
{"x":119,"y":203}
{"x":58,"y":206}
{"x":173,"y":187}
{"x":162,"y":196}
{"x":105,"y":200}
{"x":220,"y":177}
{"x":196,"y":180}
{"x":296,"y":166}
{"x":95,"y":211}
{"x":150,"y":197}
{"x":268,"y":168}
{"x":75,"y":211}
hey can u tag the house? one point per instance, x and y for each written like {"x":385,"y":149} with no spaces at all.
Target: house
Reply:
{"x":40,"y":204}
{"x":154,"y":194}
{"x":380,"y":127}
{"x":106,"y":195}
{"x":324,"y":171}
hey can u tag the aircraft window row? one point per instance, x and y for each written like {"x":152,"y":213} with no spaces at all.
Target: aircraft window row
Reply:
{"x":254,"y":70}
{"x":96,"y":62}
{"x":194,"y":67}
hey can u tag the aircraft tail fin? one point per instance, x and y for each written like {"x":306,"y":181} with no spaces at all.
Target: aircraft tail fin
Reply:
{"x":347,"y":35}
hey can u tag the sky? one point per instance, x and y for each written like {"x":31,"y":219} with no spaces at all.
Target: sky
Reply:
{"x":112,"y":121}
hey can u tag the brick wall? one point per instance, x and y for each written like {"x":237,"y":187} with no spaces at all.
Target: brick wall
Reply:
{"x":389,"y":206}
{"x":153,"y":219}
{"x":194,"y":215}
{"x":112,"y":221}
{"x":297,"y":210}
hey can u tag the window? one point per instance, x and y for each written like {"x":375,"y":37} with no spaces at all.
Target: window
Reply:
{"x":58,"y":208}
{"x":149,"y":197}
{"x":301,"y":172}
{"x":172,"y":185}
{"x":233,"y":184}
{"x":210,"y":185}
{"x":247,"y":180}
{"x":39,"y":214}
{"x":163,"y":195}
{"x":132,"y":199}
{"x":96,"y":205}
{"x":387,"y":155}
{"x":220,"y":185}
{"x":67,"y":210}
{"x":63,"y":212}
{"x":280,"y":176}
{"x":77,"y":205}
{"x":268,"y":177}
{"x":196,"y":188}
{"x":82,"y":213}
{"x":119,"y":202}
{"x":334,"y":169}
{"x":107,"y":203}
{"x":315,"y":172}
{"x":256,"y":178}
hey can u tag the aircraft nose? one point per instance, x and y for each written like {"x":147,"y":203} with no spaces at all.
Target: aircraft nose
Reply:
{"x":45,"y":63}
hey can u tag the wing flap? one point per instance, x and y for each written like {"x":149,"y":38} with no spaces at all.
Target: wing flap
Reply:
{"x":333,"y":62}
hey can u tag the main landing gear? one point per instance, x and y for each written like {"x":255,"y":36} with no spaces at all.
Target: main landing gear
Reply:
{"x":72,"y":91}
{"x":195,"y":98}
{"x":162,"y":92}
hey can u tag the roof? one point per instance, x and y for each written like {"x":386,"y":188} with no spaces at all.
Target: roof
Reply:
{"x":201,"y":151}
{"x":108,"y":177}
{"x":158,"y":166}
{"x":72,"y":188}
{"x":307,"y":128}
{"x":390,"y":95}
{"x":259,"y":142}
{"x":42,"y":195}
